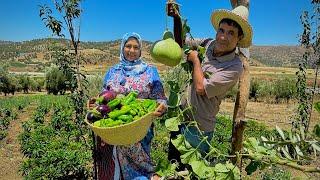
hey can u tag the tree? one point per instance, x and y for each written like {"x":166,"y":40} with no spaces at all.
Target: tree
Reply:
{"x":55,"y":81}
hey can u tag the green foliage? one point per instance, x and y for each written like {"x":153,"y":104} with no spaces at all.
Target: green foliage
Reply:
{"x":310,"y":41}
{"x":25,"y":82}
{"x":254,"y":88}
{"x":276,"y":173}
{"x":55,"y":81}
{"x":284,"y":88}
{"x":95,"y":85}
{"x":17,"y":64}
{"x":52,"y":148}
{"x":8,"y":83}
{"x":9,"y":109}
{"x":256,"y":129}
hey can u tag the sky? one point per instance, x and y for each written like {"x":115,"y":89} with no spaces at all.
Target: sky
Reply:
{"x":274,"y":22}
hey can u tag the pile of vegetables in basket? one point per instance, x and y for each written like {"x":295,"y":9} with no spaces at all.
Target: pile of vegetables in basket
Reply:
{"x":113,"y":110}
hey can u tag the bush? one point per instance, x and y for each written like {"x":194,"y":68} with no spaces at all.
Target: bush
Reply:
{"x":95,"y":83}
{"x":285,"y":88}
{"x":55,"y":81}
{"x":254,"y":88}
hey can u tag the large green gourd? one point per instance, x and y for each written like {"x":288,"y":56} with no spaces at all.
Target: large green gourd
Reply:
{"x":167,"y":51}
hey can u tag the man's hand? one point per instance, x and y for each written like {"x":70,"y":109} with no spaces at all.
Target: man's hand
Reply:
{"x":172,"y":9}
{"x":193,"y":57}
{"x":160,"y":110}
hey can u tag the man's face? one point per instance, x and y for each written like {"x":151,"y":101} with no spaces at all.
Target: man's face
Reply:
{"x":226,"y":39}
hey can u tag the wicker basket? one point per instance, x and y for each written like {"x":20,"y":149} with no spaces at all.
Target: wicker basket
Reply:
{"x":124,"y":134}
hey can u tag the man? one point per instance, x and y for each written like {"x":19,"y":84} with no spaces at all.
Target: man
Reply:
{"x":218,"y":73}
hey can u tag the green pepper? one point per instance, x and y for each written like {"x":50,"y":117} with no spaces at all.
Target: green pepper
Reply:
{"x":125,"y":118}
{"x":115,"y":113}
{"x":112,"y":104}
{"x":129,"y":98}
{"x":110,"y":122}
{"x":105,"y":122}
{"x":152,"y":107}
{"x":133,"y":112}
{"x":146,"y":103}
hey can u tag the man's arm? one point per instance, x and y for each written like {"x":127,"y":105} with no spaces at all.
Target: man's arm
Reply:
{"x":197,"y":74}
{"x":173,"y":11}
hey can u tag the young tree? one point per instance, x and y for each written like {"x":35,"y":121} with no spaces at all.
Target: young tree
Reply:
{"x":70,"y":11}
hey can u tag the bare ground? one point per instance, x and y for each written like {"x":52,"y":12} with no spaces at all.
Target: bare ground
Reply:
{"x":270,"y":114}
{"x":10,"y":155}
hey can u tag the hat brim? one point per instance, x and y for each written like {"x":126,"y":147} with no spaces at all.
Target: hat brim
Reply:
{"x":218,"y":15}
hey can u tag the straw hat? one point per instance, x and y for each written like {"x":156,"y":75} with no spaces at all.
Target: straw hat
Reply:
{"x":240,"y":15}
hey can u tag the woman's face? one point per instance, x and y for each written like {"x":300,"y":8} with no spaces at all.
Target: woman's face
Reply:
{"x":131,"y":50}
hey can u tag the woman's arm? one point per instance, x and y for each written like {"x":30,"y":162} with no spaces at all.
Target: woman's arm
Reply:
{"x":157,"y":92}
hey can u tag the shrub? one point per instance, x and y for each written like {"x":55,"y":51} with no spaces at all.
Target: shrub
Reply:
{"x":285,"y":88}
{"x":55,"y":81}
{"x":25,"y":82}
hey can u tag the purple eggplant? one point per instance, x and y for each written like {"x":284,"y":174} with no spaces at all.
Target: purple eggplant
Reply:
{"x":91,"y":118}
{"x":103,"y":109}
{"x":106,"y":96}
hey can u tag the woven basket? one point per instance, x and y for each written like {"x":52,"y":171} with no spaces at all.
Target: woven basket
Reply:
{"x":125,"y":134}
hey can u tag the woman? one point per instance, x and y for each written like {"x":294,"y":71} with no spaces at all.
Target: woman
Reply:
{"x":134,"y":162}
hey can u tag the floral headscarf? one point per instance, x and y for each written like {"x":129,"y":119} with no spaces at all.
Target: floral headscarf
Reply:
{"x":135,"y":67}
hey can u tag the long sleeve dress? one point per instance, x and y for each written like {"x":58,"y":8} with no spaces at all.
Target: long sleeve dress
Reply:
{"x":123,"y":162}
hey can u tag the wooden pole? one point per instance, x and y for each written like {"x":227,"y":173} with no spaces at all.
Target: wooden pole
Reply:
{"x":239,"y":121}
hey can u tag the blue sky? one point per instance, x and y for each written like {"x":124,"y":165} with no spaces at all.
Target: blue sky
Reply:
{"x":274,"y":22}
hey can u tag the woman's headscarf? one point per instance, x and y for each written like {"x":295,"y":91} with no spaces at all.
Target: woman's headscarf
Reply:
{"x":135,"y":67}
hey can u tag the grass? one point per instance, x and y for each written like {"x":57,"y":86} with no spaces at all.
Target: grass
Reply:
{"x":17,"y":64}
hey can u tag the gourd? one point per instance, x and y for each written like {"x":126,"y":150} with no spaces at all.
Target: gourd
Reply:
{"x":167,"y":51}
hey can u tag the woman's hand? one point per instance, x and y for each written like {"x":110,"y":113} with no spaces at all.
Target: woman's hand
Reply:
{"x":160,"y":110}
{"x":91,"y":103}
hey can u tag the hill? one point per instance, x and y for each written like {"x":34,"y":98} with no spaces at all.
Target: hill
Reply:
{"x":277,"y":56}
{"x":34,"y":55}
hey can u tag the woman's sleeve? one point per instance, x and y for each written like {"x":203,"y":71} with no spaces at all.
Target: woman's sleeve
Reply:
{"x":106,"y":79}
{"x":157,"y":91}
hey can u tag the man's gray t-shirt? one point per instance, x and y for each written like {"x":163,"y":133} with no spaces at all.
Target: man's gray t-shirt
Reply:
{"x":221,"y":74}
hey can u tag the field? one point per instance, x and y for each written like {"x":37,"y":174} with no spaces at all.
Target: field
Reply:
{"x":268,"y":114}
{"x":38,"y":130}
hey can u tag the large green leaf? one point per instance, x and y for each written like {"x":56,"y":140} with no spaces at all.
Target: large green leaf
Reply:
{"x":179,"y":143}
{"x":221,"y":168}
{"x":172,"y":124}
{"x":201,"y":169}
{"x":173,"y":99}
{"x":191,"y":155}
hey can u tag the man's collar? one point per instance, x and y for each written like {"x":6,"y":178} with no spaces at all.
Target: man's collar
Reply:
{"x":226,"y":57}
